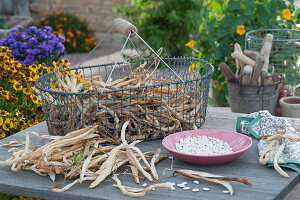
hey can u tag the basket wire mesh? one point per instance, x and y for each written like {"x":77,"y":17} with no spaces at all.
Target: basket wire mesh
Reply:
{"x":175,"y":100}
{"x":141,"y":105}
{"x":284,"y":56}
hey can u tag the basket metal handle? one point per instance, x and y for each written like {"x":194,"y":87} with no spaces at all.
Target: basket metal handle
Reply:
{"x":124,"y":27}
{"x":129,"y":30}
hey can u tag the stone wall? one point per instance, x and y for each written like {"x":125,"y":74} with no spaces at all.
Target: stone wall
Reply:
{"x":98,"y":13}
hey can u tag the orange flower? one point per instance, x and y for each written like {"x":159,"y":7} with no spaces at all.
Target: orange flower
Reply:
{"x":240,"y":29}
{"x":59,"y":12}
{"x":59,"y":25}
{"x":191,"y":43}
{"x":286,"y":13}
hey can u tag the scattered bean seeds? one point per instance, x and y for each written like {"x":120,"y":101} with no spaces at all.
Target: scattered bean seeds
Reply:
{"x":205,"y":189}
{"x":203,"y":145}
{"x":196,"y":182}
{"x":180,"y":185}
{"x":186,"y":188}
{"x":195,"y":190}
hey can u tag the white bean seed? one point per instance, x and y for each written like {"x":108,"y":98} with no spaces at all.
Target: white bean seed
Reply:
{"x":196,"y":182}
{"x":180,"y":185}
{"x":205,"y":189}
{"x":203,"y":145}
{"x":184,"y":183}
{"x":195,"y":190}
{"x":225,"y":191}
{"x":186,"y":188}
{"x":144,"y":185}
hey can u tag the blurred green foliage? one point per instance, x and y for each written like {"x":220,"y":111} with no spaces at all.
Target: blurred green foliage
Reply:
{"x":165,"y":23}
{"x":3,"y":24}
{"x":212,"y":23}
{"x":217,"y":34}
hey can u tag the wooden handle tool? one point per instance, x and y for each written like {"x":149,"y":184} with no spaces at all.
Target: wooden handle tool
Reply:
{"x":228,"y":74}
{"x":266,"y":50}
{"x":260,"y":60}
{"x":241,"y":57}
{"x":124,"y":27}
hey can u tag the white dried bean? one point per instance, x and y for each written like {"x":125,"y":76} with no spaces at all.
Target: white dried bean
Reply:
{"x":225,"y":191}
{"x":196,"y":182}
{"x":203,"y":145}
{"x":144,"y":185}
{"x":205,"y":189}
{"x":186,"y":188}
{"x":180,"y":185}
{"x":195,"y":190}
{"x":184,"y":183}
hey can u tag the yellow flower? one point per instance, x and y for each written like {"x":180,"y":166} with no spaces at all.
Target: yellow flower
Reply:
{"x":15,"y":122}
{"x":19,"y":114}
{"x":50,"y":69}
{"x":30,"y":122}
{"x":27,"y":91}
{"x":25,"y":126}
{"x":4,"y":113}
{"x":240,"y":29}
{"x":34,"y":99}
{"x":40,"y":70}
{"x":286,"y":13}
{"x":33,"y":67}
{"x":193,"y":65}
{"x":27,"y":79}
{"x":21,"y":122}
{"x":1,"y":121}
{"x":17,"y":86}
{"x":2,"y":134}
{"x":54,"y":63}
{"x":8,"y":124}
{"x":191,"y":43}
{"x":5,"y":94}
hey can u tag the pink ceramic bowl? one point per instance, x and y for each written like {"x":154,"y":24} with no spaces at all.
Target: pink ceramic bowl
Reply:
{"x":238,"y":142}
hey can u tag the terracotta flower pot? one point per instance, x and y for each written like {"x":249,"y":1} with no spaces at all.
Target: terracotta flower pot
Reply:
{"x":290,"y":106}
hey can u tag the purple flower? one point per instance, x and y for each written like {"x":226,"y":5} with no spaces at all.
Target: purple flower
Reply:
{"x":34,"y":44}
{"x":61,"y":38}
{"x":20,"y":28}
{"x":48,"y":29}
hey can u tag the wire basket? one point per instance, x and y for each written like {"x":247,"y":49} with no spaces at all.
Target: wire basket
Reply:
{"x":284,"y":56}
{"x":164,"y":107}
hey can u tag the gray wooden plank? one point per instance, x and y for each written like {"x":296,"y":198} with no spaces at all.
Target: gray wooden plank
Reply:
{"x":267,"y":183}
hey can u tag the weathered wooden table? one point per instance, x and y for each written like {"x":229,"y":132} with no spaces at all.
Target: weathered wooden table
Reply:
{"x":267,"y":183}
